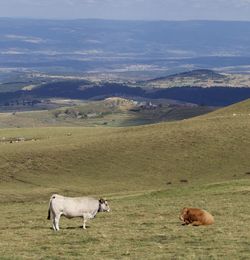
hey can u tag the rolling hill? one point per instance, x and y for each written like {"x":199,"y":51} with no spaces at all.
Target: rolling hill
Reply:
{"x":202,"y":149}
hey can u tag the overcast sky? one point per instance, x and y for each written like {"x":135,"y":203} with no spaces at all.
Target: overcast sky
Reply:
{"x":128,"y":9}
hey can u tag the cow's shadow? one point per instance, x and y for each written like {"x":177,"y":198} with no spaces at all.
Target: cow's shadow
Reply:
{"x":77,"y":227}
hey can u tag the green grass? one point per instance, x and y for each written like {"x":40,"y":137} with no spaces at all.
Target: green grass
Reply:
{"x":131,"y":167}
{"x":139,"y":226}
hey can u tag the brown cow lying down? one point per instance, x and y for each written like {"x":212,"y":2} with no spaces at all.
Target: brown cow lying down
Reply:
{"x":196,"y":217}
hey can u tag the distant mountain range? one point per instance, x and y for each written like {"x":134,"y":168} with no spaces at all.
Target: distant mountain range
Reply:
{"x":199,"y":78}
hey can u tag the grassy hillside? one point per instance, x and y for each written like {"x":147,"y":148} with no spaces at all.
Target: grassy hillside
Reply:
{"x":148,"y":172}
{"x":241,"y":109}
{"x":209,"y":148}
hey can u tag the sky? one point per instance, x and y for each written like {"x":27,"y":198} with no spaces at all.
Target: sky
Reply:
{"x":128,"y":9}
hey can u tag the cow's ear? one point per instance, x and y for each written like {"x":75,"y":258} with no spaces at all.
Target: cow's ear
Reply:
{"x":185,"y":210}
{"x":101,"y":200}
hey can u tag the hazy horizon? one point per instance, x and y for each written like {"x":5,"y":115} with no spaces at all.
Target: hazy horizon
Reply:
{"x":122,"y":20}
{"x":140,"y":10}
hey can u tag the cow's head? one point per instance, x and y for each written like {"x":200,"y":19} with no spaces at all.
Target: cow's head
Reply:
{"x":184,"y":214}
{"x":103,"y":205}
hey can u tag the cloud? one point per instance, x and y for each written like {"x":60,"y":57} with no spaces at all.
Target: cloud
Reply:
{"x":23,"y":38}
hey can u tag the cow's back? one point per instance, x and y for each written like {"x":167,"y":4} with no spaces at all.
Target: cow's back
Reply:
{"x":74,"y":207}
{"x":196,"y":215}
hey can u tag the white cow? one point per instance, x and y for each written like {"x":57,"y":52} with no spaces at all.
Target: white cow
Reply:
{"x":85,"y":207}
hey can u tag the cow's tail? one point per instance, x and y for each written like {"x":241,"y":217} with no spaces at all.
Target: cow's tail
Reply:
{"x":49,"y":210}
{"x":48,"y":214}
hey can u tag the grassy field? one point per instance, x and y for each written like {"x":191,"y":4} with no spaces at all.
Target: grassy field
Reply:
{"x":149,"y":173}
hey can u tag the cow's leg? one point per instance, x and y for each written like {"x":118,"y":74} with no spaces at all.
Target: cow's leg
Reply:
{"x":84,"y":223}
{"x":196,"y":223}
{"x":53,"y":221}
{"x":56,"y":222}
{"x":85,"y":218}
